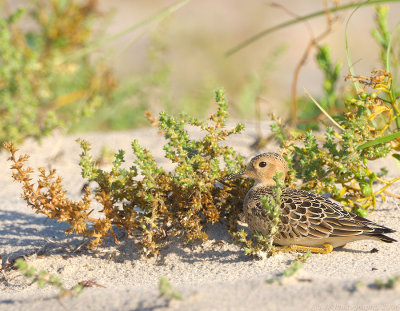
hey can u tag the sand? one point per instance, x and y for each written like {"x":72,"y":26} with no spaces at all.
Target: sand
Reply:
{"x":213,"y":276}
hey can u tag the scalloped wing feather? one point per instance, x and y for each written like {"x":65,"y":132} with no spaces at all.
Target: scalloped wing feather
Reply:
{"x":308,"y":215}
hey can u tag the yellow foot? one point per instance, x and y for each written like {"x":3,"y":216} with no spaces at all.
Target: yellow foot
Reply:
{"x":326,"y":249}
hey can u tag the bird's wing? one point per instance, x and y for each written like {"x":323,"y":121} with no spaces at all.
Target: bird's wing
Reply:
{"x":306,"y":214}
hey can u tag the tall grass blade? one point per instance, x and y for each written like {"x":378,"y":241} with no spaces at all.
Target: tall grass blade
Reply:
{"x":380,"y":140}
{"x":323,"y":110}
{"x":300,"y":19}
{"x":396,"y":160}
{"x":389,"y":48}
{"x":158,"y":16}
{"x":349,"y":63}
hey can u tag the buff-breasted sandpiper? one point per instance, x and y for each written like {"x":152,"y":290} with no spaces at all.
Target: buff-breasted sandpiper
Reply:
{"x":308,"y":221}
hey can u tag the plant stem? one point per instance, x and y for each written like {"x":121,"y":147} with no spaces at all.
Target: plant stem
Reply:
{"x":267,"y":31}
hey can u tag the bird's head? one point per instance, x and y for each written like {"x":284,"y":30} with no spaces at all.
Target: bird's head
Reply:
{"x":262,"y":169}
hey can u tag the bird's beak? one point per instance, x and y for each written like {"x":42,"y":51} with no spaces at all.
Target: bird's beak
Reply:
{"x":232,"y":176}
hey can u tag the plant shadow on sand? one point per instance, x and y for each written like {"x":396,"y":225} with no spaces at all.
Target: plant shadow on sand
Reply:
{"x":25,"y":235}
{"x":34,"y":234}
{"x":51,"y":299}
{"x":219,"y":247}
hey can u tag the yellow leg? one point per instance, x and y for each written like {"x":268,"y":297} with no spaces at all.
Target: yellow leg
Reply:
{"x":326,"y":249}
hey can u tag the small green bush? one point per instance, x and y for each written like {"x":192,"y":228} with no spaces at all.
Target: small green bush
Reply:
{"x":43,"y":279}
{"x":338,"y":163}
{"x":144,"y":198}
{"x":41,"y":85}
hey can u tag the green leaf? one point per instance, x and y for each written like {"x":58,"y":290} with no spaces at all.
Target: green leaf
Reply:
{"x":21,"y":264}
{"x":380,"y":140}
{"x":362,"y":212}
{"x":366,"y":188}
{"x":41,"y":283}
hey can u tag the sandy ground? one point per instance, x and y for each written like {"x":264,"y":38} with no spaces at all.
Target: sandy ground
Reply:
{"x":213,"y":276}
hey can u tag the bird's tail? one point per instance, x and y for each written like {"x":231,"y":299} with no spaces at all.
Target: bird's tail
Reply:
{"x":385,"y":238}
{"x":379,"y":231}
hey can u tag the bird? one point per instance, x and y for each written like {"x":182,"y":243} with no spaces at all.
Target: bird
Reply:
{"x":308,"y":221}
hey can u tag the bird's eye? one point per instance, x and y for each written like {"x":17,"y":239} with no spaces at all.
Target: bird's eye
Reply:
{"x":263,"y":164}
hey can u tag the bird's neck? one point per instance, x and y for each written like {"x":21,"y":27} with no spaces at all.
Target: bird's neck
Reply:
{"x":265,"y":183}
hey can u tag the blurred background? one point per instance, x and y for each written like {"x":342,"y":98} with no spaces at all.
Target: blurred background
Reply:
{"x":175,"y":62}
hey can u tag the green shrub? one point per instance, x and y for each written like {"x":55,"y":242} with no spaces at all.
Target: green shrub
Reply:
{"x":41,"y":86}
{"x":338,"y":163}
{"x":43,"y":279}
{"x":159,"y":203}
